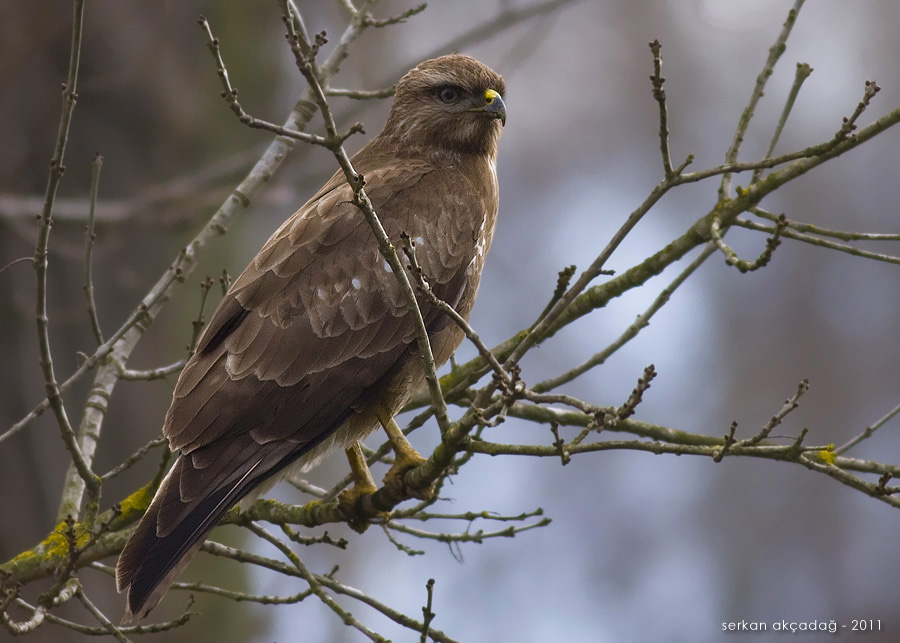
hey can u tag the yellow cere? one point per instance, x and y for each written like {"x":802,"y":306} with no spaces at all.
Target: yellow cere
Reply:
{"x":490,"y":95}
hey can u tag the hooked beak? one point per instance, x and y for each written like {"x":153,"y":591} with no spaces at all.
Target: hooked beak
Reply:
{"x":493,"y":106}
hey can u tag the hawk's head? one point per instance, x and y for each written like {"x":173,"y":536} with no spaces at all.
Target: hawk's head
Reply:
{"x":452,"y":103}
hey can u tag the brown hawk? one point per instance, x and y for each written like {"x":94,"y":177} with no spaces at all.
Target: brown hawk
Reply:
{"x":313,"y":346}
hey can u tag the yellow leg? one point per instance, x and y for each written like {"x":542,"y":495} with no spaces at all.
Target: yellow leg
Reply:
{"x":363,"y":485}
{"x":405,"y":457}
{"x":359,"y":470}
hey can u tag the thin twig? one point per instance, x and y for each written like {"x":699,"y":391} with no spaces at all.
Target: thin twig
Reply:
{"x":244,"y":597}
{"x":637,"y":394}
{"x":848,"y":124}
{"x":15,"y":261}
{"x":324,"y":539}
{"x":789,"y":405}
{"x":735,"y":168}
{"x":563,"y":279}
{"x":289,"y":7}
{"x":395,"y":20}
{"x":89,"y":238}
{"x":477,"y":537}
{"x":134,"y":458}
{"x":305,"y":486}
{"x":659,"y":94}
{"x":729,"y":441}
{"x":427,"y":614}
{"x":468,"y":516}
{"x":100,"y":616}
{"x":198,"y":324}
{"x":775,"y":52}
{"x":361,"y":94}
{"x":229,"y":93}
{"x":409,"y":551}
{"x":816,"y":241}
{"x":827,"y":232}
{"x":642,"y":321}
{"x":868,"y":431}
{"x":803,"y":72}
{"x":560,"y":444}
{"x":560,"y":398}
{"x":731,"y":257}
{"x":151,"y":374}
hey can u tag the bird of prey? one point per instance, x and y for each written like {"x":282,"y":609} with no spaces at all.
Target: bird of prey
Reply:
{"x":313,"y":346}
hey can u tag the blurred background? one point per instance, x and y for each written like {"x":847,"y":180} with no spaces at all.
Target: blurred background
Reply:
{"x":642,"y":547}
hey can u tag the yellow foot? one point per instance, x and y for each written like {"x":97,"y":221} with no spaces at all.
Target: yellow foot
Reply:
{"x":405,"y":458}
{"x":363,"y":485}
{"x":403,"y":462}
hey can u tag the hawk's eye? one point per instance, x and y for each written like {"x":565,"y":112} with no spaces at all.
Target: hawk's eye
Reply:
{"x":449,"y":94}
